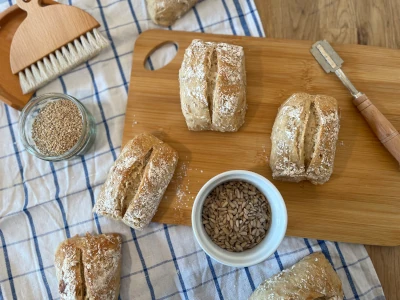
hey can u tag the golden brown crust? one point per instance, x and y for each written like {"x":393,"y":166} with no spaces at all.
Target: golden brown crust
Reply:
{"x":229,"y":99}
{"x":304,"y":139}
{"x":68,"y":262}
{"x":89,"y":267}
{"x":321,"y":166}
{"x":127,"y":169}
{"x":193,"y":74}
{"x":311,"y":278}
{"x":157,"y":175}
{"x":166,"y":12}
{"x":137,"y":181}
{"x":287,"y":152}
{"x":213,"y":86}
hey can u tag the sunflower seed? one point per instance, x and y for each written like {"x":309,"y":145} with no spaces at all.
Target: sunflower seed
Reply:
{"x":236,"y":216}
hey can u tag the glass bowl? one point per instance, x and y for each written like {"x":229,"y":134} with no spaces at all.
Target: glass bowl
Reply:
{"x":30,"y":112}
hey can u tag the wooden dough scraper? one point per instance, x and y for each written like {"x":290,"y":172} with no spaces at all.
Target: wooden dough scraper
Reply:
{"x":330,"y":61}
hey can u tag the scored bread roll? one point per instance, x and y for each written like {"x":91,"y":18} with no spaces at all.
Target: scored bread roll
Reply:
{"x":89,"y":267}
{"x":166,"y":12}
{"x":311,"y":278}
{"x":137,"y":181}
{"x":213,"y":86}
{"x":304,"y":138}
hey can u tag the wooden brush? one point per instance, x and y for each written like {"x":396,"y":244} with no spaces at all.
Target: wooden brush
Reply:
{"x":51,"y":41}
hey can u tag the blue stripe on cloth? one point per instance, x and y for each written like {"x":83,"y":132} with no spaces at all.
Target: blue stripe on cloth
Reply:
{"x":208,"y":258}
{"x":103,"y":117}
{"x":242,"y":19}
{"x":196,"y":13}
{"x":39,"y":256}
{"x":11,"y":154}
{"x":89,"y":187}
{"x":160,"y":264}
{"x":139,"y":29}
{"x":154,"y":266}
{"x":122,"y":277}
{"x":214,"y":276}
{"x":255,"y":18}
{"x":368,"y":291}
{"x":87,"y":178}
{"x":148,"y":233}
{"x":57,"y":196}
{"x":110,"y":118}
{"x":201,"y":284}
{"x":1,"y":294}
{"x":102,"y":91}
{"x":7,"y":125}
{"x":246,"y":32}
{"x":60,"y":205}
{"x":52,"y":231}
{"x":99,"y":61}
{"x":129,"y":23}
{"x":45,"y":174}
{"x":354,"y":263}
{"x":307,"y":242}
{"x":28,"y":215}
{"x":121,"y":71}
{"x":346,"y":270}
{"x":28,"y":273}
{"x":146,"y":273}
{"x":10,"y":2}
{"x":278,"y":260}
{"x":64,"y":88}
{"x":108,"y":5}
{"x":229,"y":17}
{"x":253,"y":287}
{"x":325,"y":250}
{"x":171,"y":249}
{"x":135,"y":19}
{"x":8,"y":266}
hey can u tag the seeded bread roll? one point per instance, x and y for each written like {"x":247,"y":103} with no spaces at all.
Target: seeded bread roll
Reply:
{"x":89,"y":267}
{"x":213,"y":86}
{"x":166,"y":12}
{"x":311,"y":278}
{"x":137,"y":181}
{"x":304,"y":139}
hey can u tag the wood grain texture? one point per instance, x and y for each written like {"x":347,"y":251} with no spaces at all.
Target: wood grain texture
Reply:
{"x":10,"y":89}
{"x":368,"y":22}
{"x":380,"y":125}
{"x":45,"y":29}
{"x":334,"y":211}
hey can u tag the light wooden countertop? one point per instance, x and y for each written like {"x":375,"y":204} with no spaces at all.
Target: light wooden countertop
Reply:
{"x":366,"y":22}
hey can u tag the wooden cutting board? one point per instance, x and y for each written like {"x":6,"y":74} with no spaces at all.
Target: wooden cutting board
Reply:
{"x":360,"y":203}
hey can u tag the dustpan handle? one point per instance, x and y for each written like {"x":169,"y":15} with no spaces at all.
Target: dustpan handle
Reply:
{"x":29,"y":5}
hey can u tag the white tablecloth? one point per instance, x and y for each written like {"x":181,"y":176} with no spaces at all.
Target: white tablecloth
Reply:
{"x":43,"y":203}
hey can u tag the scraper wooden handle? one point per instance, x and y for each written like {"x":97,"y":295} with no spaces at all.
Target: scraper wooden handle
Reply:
{"x":383,"y":129}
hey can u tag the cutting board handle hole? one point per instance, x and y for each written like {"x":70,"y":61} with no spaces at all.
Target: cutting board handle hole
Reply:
{"x":161,"y":56}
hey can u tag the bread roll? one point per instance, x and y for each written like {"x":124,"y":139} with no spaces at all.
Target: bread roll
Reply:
{"x":166,"y":12}
{"x":137,"y":181}
{"x":311,"y":278}
{"x":89,"y":267}
{"x":304,"y":139}
{"x":213,"y":86}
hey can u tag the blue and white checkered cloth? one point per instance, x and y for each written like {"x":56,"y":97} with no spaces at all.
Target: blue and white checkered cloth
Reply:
{"x":43,"y":203}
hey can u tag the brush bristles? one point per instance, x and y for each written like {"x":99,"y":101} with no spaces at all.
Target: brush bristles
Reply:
{"x":61,"y":61}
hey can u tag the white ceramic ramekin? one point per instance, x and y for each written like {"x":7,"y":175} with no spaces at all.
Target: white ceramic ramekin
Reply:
{"x":274,"y":235}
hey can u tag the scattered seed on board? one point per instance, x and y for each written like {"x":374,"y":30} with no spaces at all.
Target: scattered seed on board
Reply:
{"x":236,"y":216}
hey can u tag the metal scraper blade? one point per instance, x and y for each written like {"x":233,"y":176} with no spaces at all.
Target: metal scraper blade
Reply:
{"x":329,"y":60}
